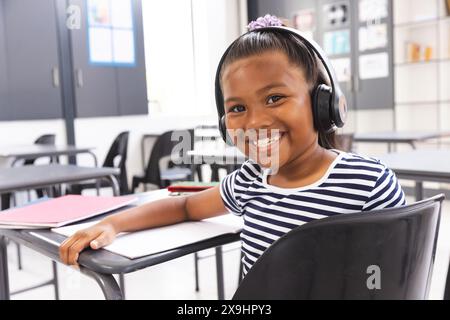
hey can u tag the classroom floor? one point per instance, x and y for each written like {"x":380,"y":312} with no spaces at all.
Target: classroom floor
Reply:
{"x":175,"y":279}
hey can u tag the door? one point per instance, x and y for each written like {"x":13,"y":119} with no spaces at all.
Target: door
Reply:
{"x":29,"y":60}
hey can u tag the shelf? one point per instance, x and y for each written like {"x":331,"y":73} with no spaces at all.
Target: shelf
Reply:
{"x":419,"y":23}
{"x":413,"y":103}
{"x":432,"y":61}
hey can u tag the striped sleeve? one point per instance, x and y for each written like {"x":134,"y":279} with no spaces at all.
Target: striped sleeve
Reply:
{"x":387,"y":193}
{"x":227,"y":193}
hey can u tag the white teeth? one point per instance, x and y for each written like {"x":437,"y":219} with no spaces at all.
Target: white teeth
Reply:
{"x":263,"y":143}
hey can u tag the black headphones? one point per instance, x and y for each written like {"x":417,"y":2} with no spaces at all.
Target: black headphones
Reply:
{"x":328,"y":103}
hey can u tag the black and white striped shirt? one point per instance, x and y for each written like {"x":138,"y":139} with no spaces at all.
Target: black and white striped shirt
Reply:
{"x":352,"y":184}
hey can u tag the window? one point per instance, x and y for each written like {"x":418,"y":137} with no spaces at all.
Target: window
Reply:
{"x":111,"y":32}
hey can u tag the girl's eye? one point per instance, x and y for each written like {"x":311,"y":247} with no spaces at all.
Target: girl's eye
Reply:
{"x":237,"y":109}
{"x":274,"y":99}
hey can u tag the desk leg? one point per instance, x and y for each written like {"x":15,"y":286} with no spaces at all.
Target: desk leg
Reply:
{"x":122,"y":284}
{"x":219,"y":268}
{"x":94,"y":157}
{"x":107,"y":283}
{"x":4,"y":280}
{"x":447,"y":286}
{"x":419,"y":190}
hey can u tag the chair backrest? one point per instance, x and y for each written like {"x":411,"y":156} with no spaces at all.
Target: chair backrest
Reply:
{"x":117,"y":158}
{"x":163,"y":147}
{"x":46,"y":139}
{"x":384,"y":254}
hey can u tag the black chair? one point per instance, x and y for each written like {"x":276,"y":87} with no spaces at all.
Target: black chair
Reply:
{"x":115,"y":158}
{"x":46,"y":139}
{"x":335,"y":258}
{"x":163,"y":148}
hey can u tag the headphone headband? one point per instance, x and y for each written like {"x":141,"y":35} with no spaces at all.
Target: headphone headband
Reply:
{"x":337,"y":100}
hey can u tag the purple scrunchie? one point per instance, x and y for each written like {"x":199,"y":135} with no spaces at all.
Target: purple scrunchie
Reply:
{"x":266,"y":21}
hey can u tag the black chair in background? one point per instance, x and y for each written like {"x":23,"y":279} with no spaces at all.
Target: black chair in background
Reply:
{"x":46,"y":139}
{"x":163,"y":148}
{"x":340,"y":257}
{"x":115,"y":158}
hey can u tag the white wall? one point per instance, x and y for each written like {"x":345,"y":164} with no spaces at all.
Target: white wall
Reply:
{"x":25,"y":132}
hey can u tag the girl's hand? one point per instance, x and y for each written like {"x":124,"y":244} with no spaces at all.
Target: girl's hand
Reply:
{"x":97,"y":236}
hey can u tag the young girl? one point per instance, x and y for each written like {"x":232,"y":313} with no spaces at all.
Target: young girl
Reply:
{"x":267,"y":81}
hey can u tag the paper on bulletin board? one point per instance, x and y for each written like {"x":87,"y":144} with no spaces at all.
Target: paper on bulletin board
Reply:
{"x":370,"y":10}
{"x":374,"y":66}
{"x":342,"y":68}
{"x":373,"y":37}
{"x":304,"y":21}
{"x":337,"y":42}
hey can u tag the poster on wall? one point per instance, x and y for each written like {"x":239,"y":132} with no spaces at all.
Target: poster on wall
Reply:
{"x":111,"y":32}
{"x":336,"y":42}
{"x":372,"y":10}
{"x":336,"y":15}
{"x":373,"y":37}
{"x":342,"y":68}
{"x":374,"y":66}
{"x":305,"y":22}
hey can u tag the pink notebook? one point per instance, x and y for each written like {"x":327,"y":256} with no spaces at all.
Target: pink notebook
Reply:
{"x":62,"y":211}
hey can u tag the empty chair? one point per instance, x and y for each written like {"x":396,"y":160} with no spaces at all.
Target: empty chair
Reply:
{"x":163,"y":148}
{"x":115,"y":158}
{"x":384,"y":254}
{"x":46,"y":139}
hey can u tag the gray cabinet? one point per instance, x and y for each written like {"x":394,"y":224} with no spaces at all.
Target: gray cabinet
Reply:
{"x":29,"y":84}
{"x":31,"y":80}
{"x":3,"y":79}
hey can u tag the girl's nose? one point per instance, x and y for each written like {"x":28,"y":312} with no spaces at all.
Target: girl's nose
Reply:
{"x":258,"y":118}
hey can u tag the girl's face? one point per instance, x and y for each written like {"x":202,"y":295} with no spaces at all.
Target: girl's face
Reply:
{"x":268,"y":92}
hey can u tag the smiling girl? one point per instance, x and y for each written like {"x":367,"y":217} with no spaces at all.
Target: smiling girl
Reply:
{"x":267,"y":81}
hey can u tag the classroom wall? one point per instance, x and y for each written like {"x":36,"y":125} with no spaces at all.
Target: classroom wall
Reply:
{"x":216,"y":25}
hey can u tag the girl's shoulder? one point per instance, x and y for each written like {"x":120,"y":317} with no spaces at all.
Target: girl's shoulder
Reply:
{"x":350,"y":160}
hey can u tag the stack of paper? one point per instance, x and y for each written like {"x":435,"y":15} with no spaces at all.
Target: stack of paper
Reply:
{"x":60,"y":211}
{"x":142,"y":243}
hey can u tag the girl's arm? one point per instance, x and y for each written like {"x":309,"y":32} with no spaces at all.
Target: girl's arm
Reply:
{"x":202,"y":205}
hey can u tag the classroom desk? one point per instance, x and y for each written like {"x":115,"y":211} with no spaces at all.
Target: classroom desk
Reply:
{"x":222,"y":156}
{"x":37,"y":151}
{"x":391,"y":137}
{"x":100,"y":265}
{"x":40,"y":176}
{"x":199,"y":134}
{"x":229,"y":157}
{"x":420,"y":165}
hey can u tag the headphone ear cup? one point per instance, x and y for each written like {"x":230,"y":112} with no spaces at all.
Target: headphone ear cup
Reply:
{"x":322,"y":100}
{"x":223,"y":132}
